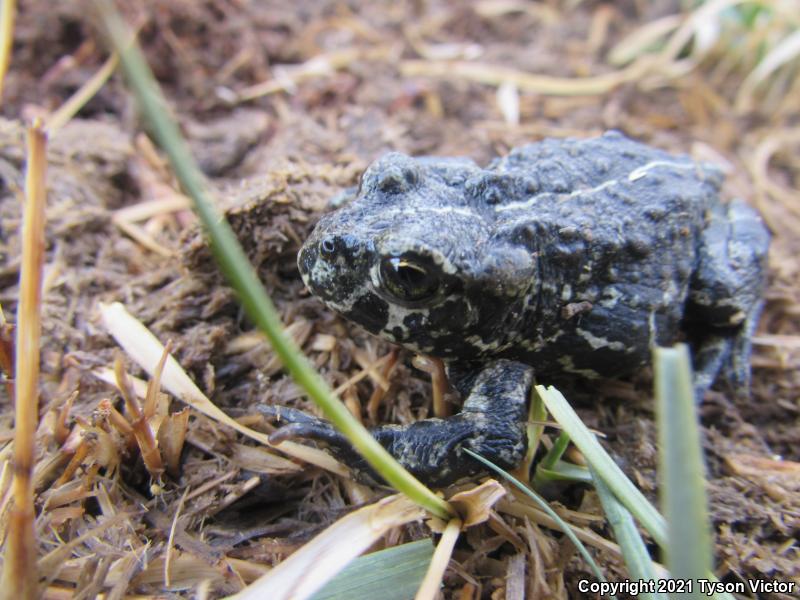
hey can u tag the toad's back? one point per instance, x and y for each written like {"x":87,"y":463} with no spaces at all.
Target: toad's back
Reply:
{"x":616,"y":227}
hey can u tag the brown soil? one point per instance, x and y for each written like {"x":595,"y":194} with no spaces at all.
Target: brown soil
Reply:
{"x":276,"y":160}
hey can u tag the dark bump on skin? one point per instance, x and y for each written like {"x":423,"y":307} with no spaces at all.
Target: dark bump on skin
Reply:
{"x":568,"y":233}
{"x":568,"y":254}
{"x":414,"y":320}
{"x":531,"y":186}
{"x":638,"y":247}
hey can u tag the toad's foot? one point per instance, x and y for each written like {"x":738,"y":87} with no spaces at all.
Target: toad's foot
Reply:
{"x":491,"y":423}
{"x":726,"y":354}
{"x":725,"y":296}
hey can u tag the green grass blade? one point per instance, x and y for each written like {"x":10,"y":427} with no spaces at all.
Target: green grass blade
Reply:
{"x":563,"y":471}
{"x":537,"y":413}
{"x":605,"y":466}
{"x":637,"y":558}
{"x":565,"y":527}
{"x":391,"y":574}
{"x":681,"y":467}
{"x":241,"y":274}
{"x":552,"y":468}
{"x":556,"y":452}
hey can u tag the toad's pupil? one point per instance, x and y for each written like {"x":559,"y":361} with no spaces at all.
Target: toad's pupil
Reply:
{"x":411,"y":276}
{"x":328,"y":246}
{"x":407,"y":280}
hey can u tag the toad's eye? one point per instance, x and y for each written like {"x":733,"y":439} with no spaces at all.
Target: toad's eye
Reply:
{"x":327,"y":247}
{"x":408,"y":280}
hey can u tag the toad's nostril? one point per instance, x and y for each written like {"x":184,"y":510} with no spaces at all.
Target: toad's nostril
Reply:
{"x":327,"y":247}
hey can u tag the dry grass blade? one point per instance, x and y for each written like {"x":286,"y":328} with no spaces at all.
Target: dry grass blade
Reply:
{"x":643,"y":38}
{"x":77,"y":101}
{"x":756,"y":53}
{"x":786,"y":51}
{"x":439,"y":383}
{"x":171,"y":436}
{"x":545,"y":13}
{"x":50,"y":563}
{"x":141,"y":428}
{"x":545,"y":506}
{"x":6,"y":477}
{"x":522,"y":510}
{"x":8,"y":12}
{"x":260,"y":460}
{"x":496,"y":75}
{"x":475,"y":504}
{"x":151,"y":398}
{"x":143,"y":347}
{"x":151,"y":208}
{"x":307,"y":570}
{"x":19,"y":568}
{"x":697,"y":26}
{"x":441,"y":557}
{"x":365,"y":372}
{"x":126,"y":219}
{"x":778,"y":341}
{"x":374,"y":402}
{"x":287,"y":78}
{"x":171,"y":539}
{"x":781,"y":212}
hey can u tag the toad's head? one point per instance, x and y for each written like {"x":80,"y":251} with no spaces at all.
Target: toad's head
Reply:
{"x":415,"y":258}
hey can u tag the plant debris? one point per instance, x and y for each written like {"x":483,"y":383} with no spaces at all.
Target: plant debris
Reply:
{"x":284,"y":104}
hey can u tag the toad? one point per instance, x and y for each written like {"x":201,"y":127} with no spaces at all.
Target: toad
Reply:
{"x":565,"y":258}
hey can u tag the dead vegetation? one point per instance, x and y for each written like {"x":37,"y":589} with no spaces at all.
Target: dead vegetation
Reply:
{"x":284,"y":104}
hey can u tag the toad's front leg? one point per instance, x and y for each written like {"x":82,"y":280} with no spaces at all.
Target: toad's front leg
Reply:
{"x":491,"y":423}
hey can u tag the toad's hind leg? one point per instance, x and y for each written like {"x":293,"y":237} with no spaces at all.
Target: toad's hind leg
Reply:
{"x":725,"y":295}
{"x":491,"y":423}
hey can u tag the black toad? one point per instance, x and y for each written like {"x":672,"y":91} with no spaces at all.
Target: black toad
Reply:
{"x":564,"y":258}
